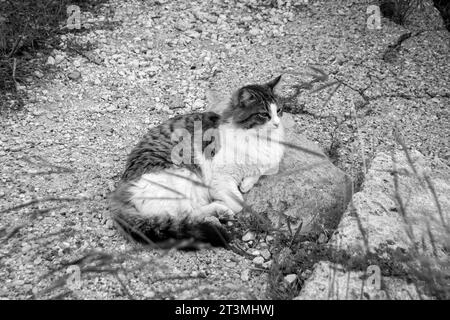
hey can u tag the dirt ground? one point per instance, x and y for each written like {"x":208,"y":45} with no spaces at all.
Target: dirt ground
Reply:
{"x":63,"y":153}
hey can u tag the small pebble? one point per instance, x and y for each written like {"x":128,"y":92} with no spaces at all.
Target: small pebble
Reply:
{"x":51,"y":60}
{"x":74,"y":75}
{"x":249,"y":236}
{"x":258,"y":261}
{"x":265,"y":254}
{"x":322,"y":238}
{"x":290,"y":278}
{"x":245,"y":275}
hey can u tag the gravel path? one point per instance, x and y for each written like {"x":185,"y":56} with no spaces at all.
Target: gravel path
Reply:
{"x":158,"y":59}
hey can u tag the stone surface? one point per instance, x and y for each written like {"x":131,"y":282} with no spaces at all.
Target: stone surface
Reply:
{"x":74,"y":75}
{"x":332,"y":282}
{"x":290,"y":278}
{"x":50,"y":60}
{"x":245,"y":275}
{"x":379,"y":215}
{"x":249,"y":236}
{"x":74,"y":129}
{"x":265,"y":254}
{"x":308,"y":188}
{"x":258,"y":261}
{"x":376,"y":223}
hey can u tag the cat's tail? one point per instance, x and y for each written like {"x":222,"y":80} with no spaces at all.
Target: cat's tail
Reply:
{"x":164,"y":231}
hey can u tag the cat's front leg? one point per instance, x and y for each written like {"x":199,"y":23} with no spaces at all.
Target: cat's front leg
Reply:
{"x":216,"y":209}
{"x":272,"y":170}
{"x":247,"y":183}
{"x":225,"y":190}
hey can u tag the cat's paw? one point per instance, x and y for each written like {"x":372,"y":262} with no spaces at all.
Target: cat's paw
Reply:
{"x":219,"y":210}
{"x":224,"y":213}
{"x":247,"y":184}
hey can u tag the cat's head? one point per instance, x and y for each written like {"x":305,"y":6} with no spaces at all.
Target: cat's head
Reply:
{"x":255,"y":106}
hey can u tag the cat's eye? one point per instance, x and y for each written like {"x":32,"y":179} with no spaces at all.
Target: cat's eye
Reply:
{"x":279,"y":111}
{"x":263,"y":116}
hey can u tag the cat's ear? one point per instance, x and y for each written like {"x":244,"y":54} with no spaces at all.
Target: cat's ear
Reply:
{"x":273,"y":83}
{"x":245,"y":95}
{"x":242,"y":97}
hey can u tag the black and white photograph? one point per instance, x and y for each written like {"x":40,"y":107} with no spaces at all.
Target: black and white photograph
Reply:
{"x":232,"y":152}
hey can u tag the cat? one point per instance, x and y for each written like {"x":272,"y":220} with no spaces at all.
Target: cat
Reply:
{"x":175,"y":187}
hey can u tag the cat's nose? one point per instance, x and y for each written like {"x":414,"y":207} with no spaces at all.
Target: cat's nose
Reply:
{"x":276,"y":123}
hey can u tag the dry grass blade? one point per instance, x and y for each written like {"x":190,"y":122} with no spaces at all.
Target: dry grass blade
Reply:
{"x":123,"y":285}
{"x":326,"y":85}
{"x":322,"y":74}
{"x":68,"y":231}
{"x":122,"y":224}
{"x":297,"y":233}
{"x":400,"y":205}
{"x":437,"y":203}
{"x":35,"y":201}
{"x":33,"y":215}
{"x":399,"y":140}
{"x":305,"y":150}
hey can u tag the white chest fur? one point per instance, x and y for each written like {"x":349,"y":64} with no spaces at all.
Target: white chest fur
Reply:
{"x":244,"y":153}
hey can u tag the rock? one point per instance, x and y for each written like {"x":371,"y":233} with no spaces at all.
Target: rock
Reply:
{"x":74,"y":75}
{"x":245,"y":275}
{"x":265,"y":254}
{"x":249,"y":236}
{"x":198,"y":104}
{"x":111,"y":108}
{"x":18,"y":282}
{"x":308,"y":188}
{"x":50,"y":60}
{"x":322,"y":238}
{"x":290,"y":278}
{"x":258,"y":261}
{"x":330,"y":281}
{"x":381,"y":218}
{"x":16,"y":148}
{"x":211,"y":18}
{"x":182,"y":25}
{"x":110,"y":224}
{"x":149,"y":294}
{"x":193,"y":34}
{"x":267,"y":264}
{"x":254,"y":31}
{"x":374,"y":223}
{"x":262,"y":245}
{"x":59,"y":58}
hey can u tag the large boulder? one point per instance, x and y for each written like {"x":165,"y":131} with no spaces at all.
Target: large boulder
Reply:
{"x":398,"y":228}
{"x":307,"y":189}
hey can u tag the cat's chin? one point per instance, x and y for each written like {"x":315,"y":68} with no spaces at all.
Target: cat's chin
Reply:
{"x":269,"y":128}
